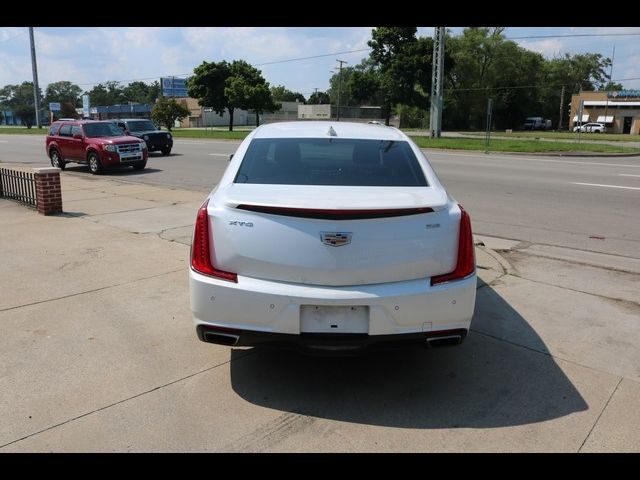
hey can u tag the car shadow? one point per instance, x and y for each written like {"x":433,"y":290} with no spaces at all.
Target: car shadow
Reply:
{"x":484,"y":383}
{"x":160,"y":155}
{"x":114,"y":171}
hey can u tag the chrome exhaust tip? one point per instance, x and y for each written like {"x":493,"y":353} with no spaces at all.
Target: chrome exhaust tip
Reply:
{"x":228,"y":339}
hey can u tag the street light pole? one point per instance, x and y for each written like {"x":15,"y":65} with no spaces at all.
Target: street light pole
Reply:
{"x":36,"y":88}
{"x":606,"y":107}
{"x":339,"y":86}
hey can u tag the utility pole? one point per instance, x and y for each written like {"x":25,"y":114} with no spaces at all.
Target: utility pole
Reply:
{"x":561,"y":108}
{"x":606,"y":107}
{"x":339,"y":86}
{"x":36,"y":88}
{"x":435,"y":117}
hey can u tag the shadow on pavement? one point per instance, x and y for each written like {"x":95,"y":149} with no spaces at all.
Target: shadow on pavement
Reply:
{"x":484,"y":383}
{"x":113,"y":171}
{"x":161,"y":155}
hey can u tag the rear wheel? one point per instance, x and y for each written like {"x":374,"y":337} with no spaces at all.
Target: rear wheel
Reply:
{"x":94,"y":163}
{"x":56,"y":160}
{"x":139,"y":165}
{"x":166,"y":151}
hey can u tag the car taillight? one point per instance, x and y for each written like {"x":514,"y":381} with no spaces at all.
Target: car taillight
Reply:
{"x":201,"y":249}
{"x":466,"y":263}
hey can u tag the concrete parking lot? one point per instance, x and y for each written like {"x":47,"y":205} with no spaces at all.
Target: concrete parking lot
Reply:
{"x":99,"y":352}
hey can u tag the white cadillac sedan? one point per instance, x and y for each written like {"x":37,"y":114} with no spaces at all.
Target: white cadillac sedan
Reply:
{"x":331,"y":236}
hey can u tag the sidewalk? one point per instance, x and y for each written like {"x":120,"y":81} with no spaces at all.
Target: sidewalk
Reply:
{"x":99,"y":351}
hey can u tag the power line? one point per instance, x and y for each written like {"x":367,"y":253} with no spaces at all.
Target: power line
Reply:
{"x":575,"y":35}
{"x":314,"y":56}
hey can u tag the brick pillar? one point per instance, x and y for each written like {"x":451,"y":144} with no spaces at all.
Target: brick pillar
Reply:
{"x":48,"y":192}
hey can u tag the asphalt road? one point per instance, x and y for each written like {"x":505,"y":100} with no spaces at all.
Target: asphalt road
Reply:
{"x":590,"y":203}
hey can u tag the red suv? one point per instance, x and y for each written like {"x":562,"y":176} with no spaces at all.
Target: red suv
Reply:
{"x":100,"y":144}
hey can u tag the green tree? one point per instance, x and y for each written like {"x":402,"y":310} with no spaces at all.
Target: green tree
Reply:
{"x":483,"y":64}
{"x":140,"y":92}
{"x":208,"y":83}
{"x":337,"y":85}
{"x":68,"y":110}
{"x":282,"y":94}
{"x":319,"y":98}
{"x":229,"y":86}
{"x":247,"y":89}
{"x":393,"y":53}
{"x":166,"y":111}
{"x":19,"y":99}
{"x":63,"y":91}
{"x":111,"y":93}
{"x":612,"y":86}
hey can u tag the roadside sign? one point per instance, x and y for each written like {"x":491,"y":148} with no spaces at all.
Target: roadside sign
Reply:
{"x":54,"y":106}
{"x":85,"y":106}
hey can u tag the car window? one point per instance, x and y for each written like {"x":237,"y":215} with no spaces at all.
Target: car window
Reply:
{"x":76,"y":130}
{"x":65,"y":130}
{"x":141,"y":126}
{"x":346,"y":162}
{"x":102,"y":129}
{"x":53,"y":130}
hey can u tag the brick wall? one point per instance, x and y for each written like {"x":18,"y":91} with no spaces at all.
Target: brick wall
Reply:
{"x":48,"y":190}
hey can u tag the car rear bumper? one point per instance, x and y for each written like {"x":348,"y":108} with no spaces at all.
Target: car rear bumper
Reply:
{"x":262,"y":311}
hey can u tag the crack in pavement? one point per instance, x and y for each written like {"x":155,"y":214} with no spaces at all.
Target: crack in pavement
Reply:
{"x":251,"y":352}
{"x":89,"y":291}
{"x":601,"y":413}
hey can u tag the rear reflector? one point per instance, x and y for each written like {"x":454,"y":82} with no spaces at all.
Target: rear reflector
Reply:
{"x":335,"y":214}
{"x":201,"y":249}
{"x":466,"y":263}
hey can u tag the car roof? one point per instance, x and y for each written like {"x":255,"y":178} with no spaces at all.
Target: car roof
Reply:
{"x":132,"y":120}
{"x":82,"y":122}
{"x":322,"y":129}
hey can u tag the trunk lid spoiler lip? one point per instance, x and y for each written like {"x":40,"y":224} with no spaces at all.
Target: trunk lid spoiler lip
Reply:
{"x":328,"y":199}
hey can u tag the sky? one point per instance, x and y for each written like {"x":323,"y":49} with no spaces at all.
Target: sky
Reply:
{"x":88,"y":56}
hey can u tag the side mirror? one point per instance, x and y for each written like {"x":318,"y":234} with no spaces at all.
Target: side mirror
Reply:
{"x":231,"y":156}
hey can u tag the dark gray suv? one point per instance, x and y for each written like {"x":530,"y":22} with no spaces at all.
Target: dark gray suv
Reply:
{"x":157,"y":140}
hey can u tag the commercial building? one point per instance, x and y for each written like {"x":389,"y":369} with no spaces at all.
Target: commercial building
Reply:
{"x":618,"y":110}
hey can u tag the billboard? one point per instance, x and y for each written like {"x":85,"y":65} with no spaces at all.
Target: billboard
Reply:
{"x":54,"y":106}
{"x":174,"y":87}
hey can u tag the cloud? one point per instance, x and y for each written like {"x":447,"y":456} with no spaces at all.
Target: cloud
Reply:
{"x":549,"y":47}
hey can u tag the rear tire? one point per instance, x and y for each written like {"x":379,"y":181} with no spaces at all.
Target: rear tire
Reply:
{"x":139,"y":165}
{"x":56,"y":160}
{"x":94,"y":163}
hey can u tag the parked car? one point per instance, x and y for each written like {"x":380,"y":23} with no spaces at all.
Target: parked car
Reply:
{"x":536,"y":123}
{"x":156,"y":139}
{"x":331,"y":236}
{"x":100,"y":144}
{"x":591,"y":128}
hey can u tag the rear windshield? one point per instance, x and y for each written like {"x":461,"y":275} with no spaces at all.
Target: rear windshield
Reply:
{"x":106,"y":129}
{"x":332,"y":161}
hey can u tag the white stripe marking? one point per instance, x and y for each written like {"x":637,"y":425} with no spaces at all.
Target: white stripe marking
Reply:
{"x":628,"y":175}
{"x":530,"y":159}
{"x":220,"y":154}
{"x":607,"y":186}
